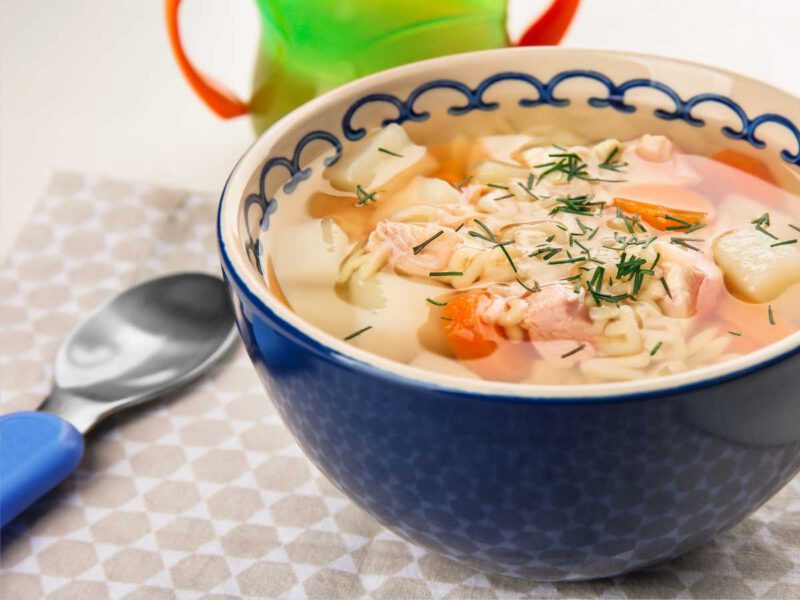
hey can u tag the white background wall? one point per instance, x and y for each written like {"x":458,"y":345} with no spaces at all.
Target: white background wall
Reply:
{"x":90,"y":85}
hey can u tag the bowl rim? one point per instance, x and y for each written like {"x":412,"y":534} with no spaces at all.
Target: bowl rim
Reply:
{"x":342,"y":354}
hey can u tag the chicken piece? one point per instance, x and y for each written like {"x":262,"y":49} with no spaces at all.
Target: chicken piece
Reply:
{"x":694,"y":282}
{"x":558,"y":313}
{"x":399,"y":240}
{"x":755,"y":269}
{"x":654,"y":160}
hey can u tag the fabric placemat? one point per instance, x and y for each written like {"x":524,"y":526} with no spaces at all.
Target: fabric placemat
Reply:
{"x":204,"y":494}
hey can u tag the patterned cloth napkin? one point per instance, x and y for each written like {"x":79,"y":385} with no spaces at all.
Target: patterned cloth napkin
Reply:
{"x":203,"y":494}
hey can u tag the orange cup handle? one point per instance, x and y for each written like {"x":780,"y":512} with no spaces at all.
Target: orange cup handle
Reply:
{"x":550,"y":28}
{"x":222,"y":101}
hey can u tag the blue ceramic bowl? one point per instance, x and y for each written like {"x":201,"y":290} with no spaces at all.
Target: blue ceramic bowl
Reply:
{"x":554,"y":483}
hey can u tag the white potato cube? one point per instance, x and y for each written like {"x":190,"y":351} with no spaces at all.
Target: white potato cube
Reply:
{"x":293,"y":244}
{"x":396,"y":308}
{"x":428,"y":190}
{"x":492,"y":171}
{"x":754,"y":269}
{"x":372,"y":162}
{"x":503,"y":147}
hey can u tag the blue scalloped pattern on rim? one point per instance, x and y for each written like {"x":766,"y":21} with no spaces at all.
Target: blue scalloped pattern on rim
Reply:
{"x":545,"y":95}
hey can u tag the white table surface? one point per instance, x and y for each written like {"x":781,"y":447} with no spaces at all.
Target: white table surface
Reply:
{"x":90,"y":85}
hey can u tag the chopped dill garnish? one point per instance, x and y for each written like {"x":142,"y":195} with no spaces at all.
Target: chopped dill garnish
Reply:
{"x":629,"y":266}
{"x":638,"y":279}
{"x":582,"y":247}
{"x":532,"y":290}
{"x":434,"y":302}
{"x":595,"y":285}
{"x":762,"y":220}
{"x":390,"y":153}
{"x":578,"y":205}
{"x":504,"y":197}
{"x":445,"y":274}
{"x":357,"y":333}
{"x":765,"y":232}
{"x":771,"y":315}
{"x":677,"y":220}
{"x":508,"y":256}
{"x":364,"y":196}
{"x":568,"y":261}
{"x":666,"y":287}
{"x":531,"y":181}
{"x":548,"y":252}
{"x":462,"y":183}
{"x":447,"y":318}
{"x":608,"y":163}
{"x":684,"y":226}
{"x":736,"y":333}
{"x":480,"y":236}
{"x":459,"y":227}
{"x":656,"y":348}
{"x":527,"y":190}
{"x":597,"y":278}
{"x":490,"y":237}
{"x":575,"y":350}
{"x":550,"y":238}
{"x":655,"y":262}
{"x":488,"y":231}
{"x":795,"y":227}
{"x":499,"y":186}
{"x":783,"y":243}
{"x":685,"y":243}
{"x":635,"y":220}
{"x":594,"y":233}
{"x":420,"y":247}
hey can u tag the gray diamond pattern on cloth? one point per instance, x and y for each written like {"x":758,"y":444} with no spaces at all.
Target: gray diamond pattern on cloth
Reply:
{"x":204,"y":494}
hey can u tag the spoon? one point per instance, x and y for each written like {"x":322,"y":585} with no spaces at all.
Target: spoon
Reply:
{"x":143,"y":343}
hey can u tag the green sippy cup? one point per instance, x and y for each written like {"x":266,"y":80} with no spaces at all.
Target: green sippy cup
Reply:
{"x":310,"y":46}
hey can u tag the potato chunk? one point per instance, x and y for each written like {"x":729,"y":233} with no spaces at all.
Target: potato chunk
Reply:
{"x":754,"y":269}
{"x":377,"y":159}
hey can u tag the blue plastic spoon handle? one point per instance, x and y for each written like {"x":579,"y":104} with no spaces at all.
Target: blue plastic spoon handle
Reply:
{"x":37,"y":451}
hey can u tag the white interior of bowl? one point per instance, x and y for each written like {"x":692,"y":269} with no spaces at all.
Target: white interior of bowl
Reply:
{"x":325,"y":114}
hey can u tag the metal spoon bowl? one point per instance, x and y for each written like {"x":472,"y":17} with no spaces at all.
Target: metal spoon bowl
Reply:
{"x":143,"y":343}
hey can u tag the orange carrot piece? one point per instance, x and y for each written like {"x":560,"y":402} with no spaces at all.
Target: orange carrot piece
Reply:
{"x":482,"y":346}
{"x":744,"y":162}
{"x":656,"y":215}
{"x":468,"y":336}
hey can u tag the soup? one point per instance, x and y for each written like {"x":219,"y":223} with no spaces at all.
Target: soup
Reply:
{"x":542,"y":259}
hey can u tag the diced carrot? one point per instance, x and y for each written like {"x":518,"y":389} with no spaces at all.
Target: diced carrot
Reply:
{"x":657,"y":215}
{"x":468,"y":336}
{"x":744,"y":162}
{"x":673,"y":197}
{"x":481,"y":346}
